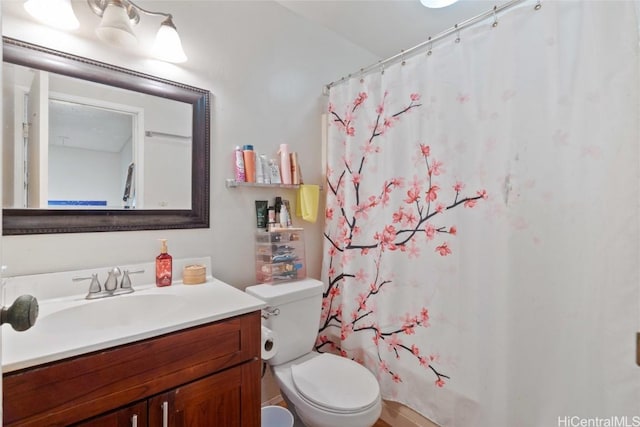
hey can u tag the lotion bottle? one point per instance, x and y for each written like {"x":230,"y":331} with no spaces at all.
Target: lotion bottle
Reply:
{"x":164,"y":266}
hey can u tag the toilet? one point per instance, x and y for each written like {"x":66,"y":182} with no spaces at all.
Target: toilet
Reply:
{"x":324,"y":390}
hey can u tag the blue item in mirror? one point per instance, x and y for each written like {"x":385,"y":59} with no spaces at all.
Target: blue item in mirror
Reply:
{"x":77,"y":203}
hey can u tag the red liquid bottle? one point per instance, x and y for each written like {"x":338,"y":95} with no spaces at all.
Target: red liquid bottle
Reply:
{"x":164,"y":266}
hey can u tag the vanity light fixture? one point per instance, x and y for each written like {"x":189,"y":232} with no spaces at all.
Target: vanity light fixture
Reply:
{"x":118,"y":19}
{"x":436,"y":4}
{"x":116,"y":26}
{"x":55,"y":13}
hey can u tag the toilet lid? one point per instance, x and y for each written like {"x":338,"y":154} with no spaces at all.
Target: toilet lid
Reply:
{"x":336,"y":383}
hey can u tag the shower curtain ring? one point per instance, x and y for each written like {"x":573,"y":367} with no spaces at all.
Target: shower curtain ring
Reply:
{"x":361,"y":75}
{"x":538,"y":6}
{"x":457,"y":40}
{"x":429,"y":52}
{"x":495,"y":17}
{"x":403,"y":62}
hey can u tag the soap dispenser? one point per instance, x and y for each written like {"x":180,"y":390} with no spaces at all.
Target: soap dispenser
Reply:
{"x":164,"y":266}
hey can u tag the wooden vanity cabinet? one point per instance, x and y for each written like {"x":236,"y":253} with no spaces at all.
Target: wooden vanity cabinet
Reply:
{"x":205,"y":376}
{"x":213,"y":401}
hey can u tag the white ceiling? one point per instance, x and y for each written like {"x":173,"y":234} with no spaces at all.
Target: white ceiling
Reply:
{"x":101,"y":130}
{"x":386,"y":27}
{"x":383,"y":27}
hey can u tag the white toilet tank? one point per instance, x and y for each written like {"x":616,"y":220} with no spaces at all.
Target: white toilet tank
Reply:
{"x":295,"y":308}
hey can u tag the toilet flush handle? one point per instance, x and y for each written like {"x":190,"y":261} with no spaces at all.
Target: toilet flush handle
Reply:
{"x":270,"y":311}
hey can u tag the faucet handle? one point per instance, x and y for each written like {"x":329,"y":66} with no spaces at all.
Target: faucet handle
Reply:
{"x":126,"y":280}
{"x":94,"y":287}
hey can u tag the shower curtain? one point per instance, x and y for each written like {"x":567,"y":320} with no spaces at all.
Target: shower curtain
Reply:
{"x":481,"y":225}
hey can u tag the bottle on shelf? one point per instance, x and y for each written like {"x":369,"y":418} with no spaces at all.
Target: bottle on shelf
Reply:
{"x":265,"y":168}
{"x":285,"y":164}
{"x":259,"y":170}
{"x":271,"y":217}
{"x":274,"y":172}
{"x":285,"y":220}
{"x":249,"y":157}
{"x":295,"y":168}
{"x":239,"y":164}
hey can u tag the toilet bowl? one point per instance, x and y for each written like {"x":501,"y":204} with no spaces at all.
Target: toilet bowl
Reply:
{"x":324,"y":390}
{"x":328,"y":390}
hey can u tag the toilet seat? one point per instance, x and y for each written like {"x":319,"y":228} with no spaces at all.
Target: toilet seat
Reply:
{"x":336,"y":384}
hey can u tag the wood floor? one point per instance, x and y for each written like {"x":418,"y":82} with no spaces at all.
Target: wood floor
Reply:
{"x":381,"y":423}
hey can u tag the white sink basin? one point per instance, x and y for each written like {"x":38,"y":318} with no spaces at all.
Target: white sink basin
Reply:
{"x":71,"y":326}
{"x":111,"y":312}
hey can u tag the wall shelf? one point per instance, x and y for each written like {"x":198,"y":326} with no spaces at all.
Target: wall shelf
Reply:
{"x":232,"y":183}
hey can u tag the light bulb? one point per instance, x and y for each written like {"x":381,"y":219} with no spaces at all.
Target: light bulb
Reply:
{"x":167,"y":45}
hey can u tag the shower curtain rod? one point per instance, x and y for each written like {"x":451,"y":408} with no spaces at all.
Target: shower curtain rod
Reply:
{"x":456,"y":28}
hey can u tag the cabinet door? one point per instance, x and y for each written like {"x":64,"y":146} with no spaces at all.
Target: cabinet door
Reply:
{"x":130,"y":416}
{"x":230,"y":398}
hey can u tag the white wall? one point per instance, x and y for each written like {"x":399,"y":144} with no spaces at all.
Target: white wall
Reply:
{"x":167,"y":180}
{"x":79,"y":174}
{"x":265,"y":68}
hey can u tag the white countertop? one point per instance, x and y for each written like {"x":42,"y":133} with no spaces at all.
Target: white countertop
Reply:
{"x":71,"y":325}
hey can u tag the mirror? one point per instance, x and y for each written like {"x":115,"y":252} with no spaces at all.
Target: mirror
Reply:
{"x":152,"y":173}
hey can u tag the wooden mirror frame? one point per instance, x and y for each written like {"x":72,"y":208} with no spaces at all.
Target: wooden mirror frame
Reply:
{"x":45,"y":221}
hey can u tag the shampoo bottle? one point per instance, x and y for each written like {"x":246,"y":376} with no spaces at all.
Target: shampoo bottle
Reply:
{"x":249,"y":157}
{"x":164,"y":266}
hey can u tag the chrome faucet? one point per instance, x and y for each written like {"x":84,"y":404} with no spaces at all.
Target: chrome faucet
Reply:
{"x":111,"y":287}
{"x":111,"y":283}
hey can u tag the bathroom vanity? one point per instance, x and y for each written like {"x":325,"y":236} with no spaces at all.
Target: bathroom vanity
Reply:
{"x":196,"y":365}
{"x":209,"y":372}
